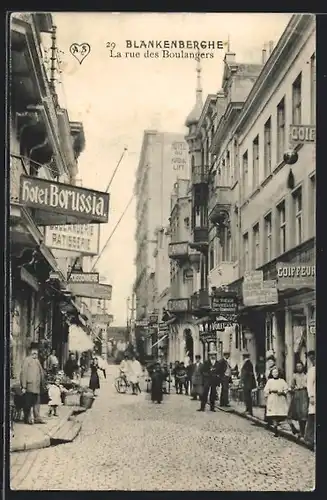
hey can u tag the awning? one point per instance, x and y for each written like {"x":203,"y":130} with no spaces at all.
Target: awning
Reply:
{"x":78,"y":339}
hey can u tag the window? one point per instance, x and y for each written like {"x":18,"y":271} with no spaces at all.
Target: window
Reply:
{"x":297,"y":200}
{"x":281,"y":130}
{"x":267,"y":148}
{"x":246,"y":252}
{"x":245,"y":173}
{"x":312,"y":212}
{"x":228,"y":172}
{"x":268,"y":238}
{"x":256,"y":246}
{"x":255,"y":180}
{"x":313,"y":88}
{"x":281,"y":228}
{"x":296,"y":100}
{"x":226,"y":245}
{"x":211,"y":257}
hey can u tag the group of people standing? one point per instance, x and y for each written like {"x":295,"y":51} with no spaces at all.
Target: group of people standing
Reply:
{"x":202,"y":379}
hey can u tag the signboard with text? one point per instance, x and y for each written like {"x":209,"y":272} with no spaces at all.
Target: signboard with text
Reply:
{"x":178,"y":249}
{"x":295,"y":276}
{"x":302,"y":133}
{"x":257,"y":292}
{"x":77,"y":277}
{"x":179,"y":156}
{"x":224,"y":304}
{"x":178,"y":305}
{"x":50,"y":198}
{"x":82,"y":238}
{"x":90,"y":290}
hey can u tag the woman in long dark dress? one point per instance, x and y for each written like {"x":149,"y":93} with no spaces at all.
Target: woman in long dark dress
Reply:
{"x":157,"y":377}
{"x":94,"y":378}
{"x":298,"y":409}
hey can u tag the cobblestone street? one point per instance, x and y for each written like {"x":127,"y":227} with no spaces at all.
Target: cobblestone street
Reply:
{"x":128,"y":443}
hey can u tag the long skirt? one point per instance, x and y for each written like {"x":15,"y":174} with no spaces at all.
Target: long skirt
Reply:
{"x":94,"y":382}
{"x":298,"y":409}
{"x":156,"y":390}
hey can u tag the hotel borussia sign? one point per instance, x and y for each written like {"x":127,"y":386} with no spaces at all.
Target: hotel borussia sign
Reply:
{"x":72,"y":202}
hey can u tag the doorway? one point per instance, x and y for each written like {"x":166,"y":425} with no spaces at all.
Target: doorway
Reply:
{"x":189,"y":344}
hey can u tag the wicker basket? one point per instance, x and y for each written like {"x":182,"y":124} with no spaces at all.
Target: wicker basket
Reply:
{"x":72,"y":399}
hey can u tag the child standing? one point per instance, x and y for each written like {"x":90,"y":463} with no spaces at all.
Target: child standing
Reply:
{"x":275,"y":391}
{"x":54,"y":393}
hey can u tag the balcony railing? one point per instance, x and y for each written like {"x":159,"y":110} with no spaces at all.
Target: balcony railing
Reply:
{"x":178,"y":305}
{"x":219,"y":200}
{"x":178,"y":250}
{"x":200,"y":175}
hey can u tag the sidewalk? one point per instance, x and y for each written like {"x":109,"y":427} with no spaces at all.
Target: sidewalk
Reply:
{"x":258,"y":419}
{"x":64,"y":427}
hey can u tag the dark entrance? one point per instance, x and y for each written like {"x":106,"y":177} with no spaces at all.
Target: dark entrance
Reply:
{"x":189,"y":344}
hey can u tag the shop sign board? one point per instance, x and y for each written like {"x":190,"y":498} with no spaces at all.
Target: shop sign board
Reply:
{"x":295,"y":276}
{"x":141,"y":323}
{"x":312,"y":327}
{"x":208,"y":336}
{"x":302,"y":133}
{"x":256,"y":293}
{"x":178,"y":249}
{"x":253,"y":277}
{"x":78,"y":277}
{"x":178,"y":305}
{"x":90,"y":290}
{"x":153,"y":318}
{"x":81,"y":238}
{"x":58,"y":198}
{"x":224,"y":304}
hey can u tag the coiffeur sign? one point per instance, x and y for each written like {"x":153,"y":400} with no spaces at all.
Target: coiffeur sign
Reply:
{"x":82,"y":238}
{"x":296,"y":275}
{"x":73,"y":202}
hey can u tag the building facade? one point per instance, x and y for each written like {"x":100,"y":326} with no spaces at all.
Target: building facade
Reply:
{"x":268,"y":208}
{"x":43,"y":144}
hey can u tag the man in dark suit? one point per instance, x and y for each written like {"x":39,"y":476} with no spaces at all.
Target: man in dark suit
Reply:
{"x":248,"y":382}
{"x":212,"y":372}
{"x":226,"y":379}
{"x":197,"y":378}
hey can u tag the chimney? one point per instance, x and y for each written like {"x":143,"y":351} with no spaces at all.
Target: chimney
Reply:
{"x":271,"y":47}
{"x":264,"y":54}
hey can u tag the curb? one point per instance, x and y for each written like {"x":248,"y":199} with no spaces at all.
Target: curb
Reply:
{"x":258,"y":421}
{"x":44,"y":443}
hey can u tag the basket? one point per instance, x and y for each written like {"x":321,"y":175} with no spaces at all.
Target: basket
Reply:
{"x":86,"y":400}
{"x":72,"y":399}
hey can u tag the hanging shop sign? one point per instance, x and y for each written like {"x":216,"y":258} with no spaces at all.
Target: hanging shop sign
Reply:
{"x":77,"y":277}
{"x":224,"y":304}
{"x":141,"y":323}
{"x":208,"y":336}
{"x":302,"y":133}
{"x":90,"y":290}
{"x":257,"y":292}
{"x":58,"y":203}
{"x":81,"y":238}
{"x":178,"y":249}
{"x":153,"y":319}
{"x":295,"y":276}
{"x":178,"y":305}
{"x":163,"y":329}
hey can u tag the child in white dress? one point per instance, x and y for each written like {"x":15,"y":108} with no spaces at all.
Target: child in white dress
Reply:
{"x":54,"y":392}
{"x":275,"y":391}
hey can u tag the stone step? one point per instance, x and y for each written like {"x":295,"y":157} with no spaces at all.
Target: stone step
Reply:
{"x":67,"y":432}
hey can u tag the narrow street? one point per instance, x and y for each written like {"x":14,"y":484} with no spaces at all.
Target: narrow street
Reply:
{"x":128,"y":443}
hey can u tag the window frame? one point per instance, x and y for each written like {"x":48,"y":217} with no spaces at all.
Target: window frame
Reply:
{"x":281,"y":129}
{"x":268,"y":237}
{"x":282,"y":226}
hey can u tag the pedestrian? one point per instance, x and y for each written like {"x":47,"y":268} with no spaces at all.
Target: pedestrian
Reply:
{"x":197,"y":378}
{"x":298,"y":409}
{"x":83,"y":364}
{"x":226,"y":380}
{"x":189,"y":371}
{"x":55,"y":391}
{"x":275,"y":391}
{"x":212,"y":374}
{"x":181,"y":376}
{"x":94,"y":383}
{"x":270,"y":364}
{"x":71,"y":366}
{"x":174,"y":374}
{"x":52,"y":363}
{"x":135,"y":372}
{"x":102,"y":365}
{"x":157,"y":377}
{"x":309,"y":435}
{"x":32,"y":382}
{"x":248,"y":382}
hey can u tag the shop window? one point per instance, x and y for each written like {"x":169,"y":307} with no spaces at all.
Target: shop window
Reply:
{"x":296,"y":100}
{"x":269,"y":334}
{"x":281,"y":130}
{"x":312,"y":208}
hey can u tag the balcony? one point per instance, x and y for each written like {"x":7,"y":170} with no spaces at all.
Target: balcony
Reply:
{"x":220,"y":202}
{"x":223,"y":274}
{"x":200,"y":238}
{"x":178,"y":250}
{"x":200,"y":301}
{"x":200,"y":175}
{"x":178,"y":305}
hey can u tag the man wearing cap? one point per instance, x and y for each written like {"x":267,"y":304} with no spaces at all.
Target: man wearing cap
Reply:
{"x":32,"y":380}
{"x":212,"y":371}
{"x":197,"y":378}
{"x":248,"y":382}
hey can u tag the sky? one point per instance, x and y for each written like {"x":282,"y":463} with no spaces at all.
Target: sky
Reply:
{"x":116,"y":99}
